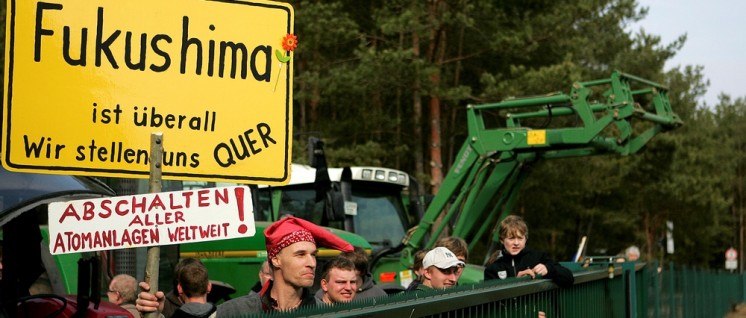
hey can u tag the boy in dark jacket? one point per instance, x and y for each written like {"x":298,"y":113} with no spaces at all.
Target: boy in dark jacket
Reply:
{"x":193,"y":287}
{"x":515,"y":260}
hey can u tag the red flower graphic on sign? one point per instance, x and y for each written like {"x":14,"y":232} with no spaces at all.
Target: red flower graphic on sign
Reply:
{"x":289,"y":42}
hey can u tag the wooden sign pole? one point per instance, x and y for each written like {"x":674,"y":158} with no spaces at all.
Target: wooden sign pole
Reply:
{"x":154,"y":252}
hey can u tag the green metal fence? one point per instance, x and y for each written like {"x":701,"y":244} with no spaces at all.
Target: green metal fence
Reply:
{"x":686,"y":292}
{"x":601,"y":290}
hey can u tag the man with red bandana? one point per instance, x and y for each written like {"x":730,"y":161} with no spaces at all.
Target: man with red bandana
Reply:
{"x":291,"y":253}
{"x":515,"y":260}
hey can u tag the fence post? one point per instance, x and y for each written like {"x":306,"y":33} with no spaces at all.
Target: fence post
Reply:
{"x":656,"y":277}
{"x":631,"y":282}
{"x":743,"y":287}
{"x":672,"y":290}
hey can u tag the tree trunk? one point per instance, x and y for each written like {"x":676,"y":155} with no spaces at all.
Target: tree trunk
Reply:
{"x":301,"y":125}
{"x":435,"y":56}
{"x":436,"y":156}
{"x":417,"y":152}
{"x":452,"y":145}
{"x":649,"y":238}
{"x":314,"y":116}
{"x":399,"y":120}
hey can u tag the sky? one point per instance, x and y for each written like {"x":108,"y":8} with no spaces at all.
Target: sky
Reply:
{"x":715,"y":40}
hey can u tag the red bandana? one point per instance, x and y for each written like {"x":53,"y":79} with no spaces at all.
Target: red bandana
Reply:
{"x":289,"y":230}
{"x":287,"y":240}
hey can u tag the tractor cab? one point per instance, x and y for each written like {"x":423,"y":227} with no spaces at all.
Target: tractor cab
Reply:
{"x":33,"y":282}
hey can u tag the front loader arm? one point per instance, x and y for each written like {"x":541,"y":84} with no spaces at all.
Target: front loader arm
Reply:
{"x":481,"y":187}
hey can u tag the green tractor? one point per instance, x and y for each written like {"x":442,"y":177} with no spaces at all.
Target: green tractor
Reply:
{"x":617,"y":115}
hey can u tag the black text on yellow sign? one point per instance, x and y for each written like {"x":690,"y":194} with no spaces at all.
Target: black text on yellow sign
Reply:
{"x":88,"y":82}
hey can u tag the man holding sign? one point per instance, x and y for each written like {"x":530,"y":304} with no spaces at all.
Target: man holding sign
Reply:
{"x":291,"y":252}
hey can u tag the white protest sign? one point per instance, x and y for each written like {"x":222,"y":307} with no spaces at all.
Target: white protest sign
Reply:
{"x":150,"y":219}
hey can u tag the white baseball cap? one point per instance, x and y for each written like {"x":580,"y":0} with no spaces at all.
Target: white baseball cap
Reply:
{"x":442,"y":258}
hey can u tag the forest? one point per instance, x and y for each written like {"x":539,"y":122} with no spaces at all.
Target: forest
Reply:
{"x":387,"y":82}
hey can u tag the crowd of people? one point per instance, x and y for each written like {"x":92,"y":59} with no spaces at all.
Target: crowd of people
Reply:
{"x":286,"y":278}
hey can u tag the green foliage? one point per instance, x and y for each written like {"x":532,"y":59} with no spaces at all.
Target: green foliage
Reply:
{"x":368,"y":153}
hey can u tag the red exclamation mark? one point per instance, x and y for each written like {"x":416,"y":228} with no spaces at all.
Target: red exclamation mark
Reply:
{"x":239,"y":200}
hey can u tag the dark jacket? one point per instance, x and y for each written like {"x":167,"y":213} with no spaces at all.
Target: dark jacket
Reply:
{"x":508,"y":265}
{"x":413,"y":285}
{"x":171,"y":304}
{"x":257,"y":287}
{"x":423,"y":287}
{"x":195,"y":310}
{"x":257,"y":303}
{"x":369,"y":288}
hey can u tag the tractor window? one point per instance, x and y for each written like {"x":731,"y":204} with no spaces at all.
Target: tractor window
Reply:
{"x":295,"y":201}
{"x":262,"y":205}
{"x":379,"y":218}
{"x":300,"y":203}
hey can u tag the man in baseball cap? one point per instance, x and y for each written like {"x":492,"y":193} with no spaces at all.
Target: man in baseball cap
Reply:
{"x":440,"y":269}
{"x":291,"y":253}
